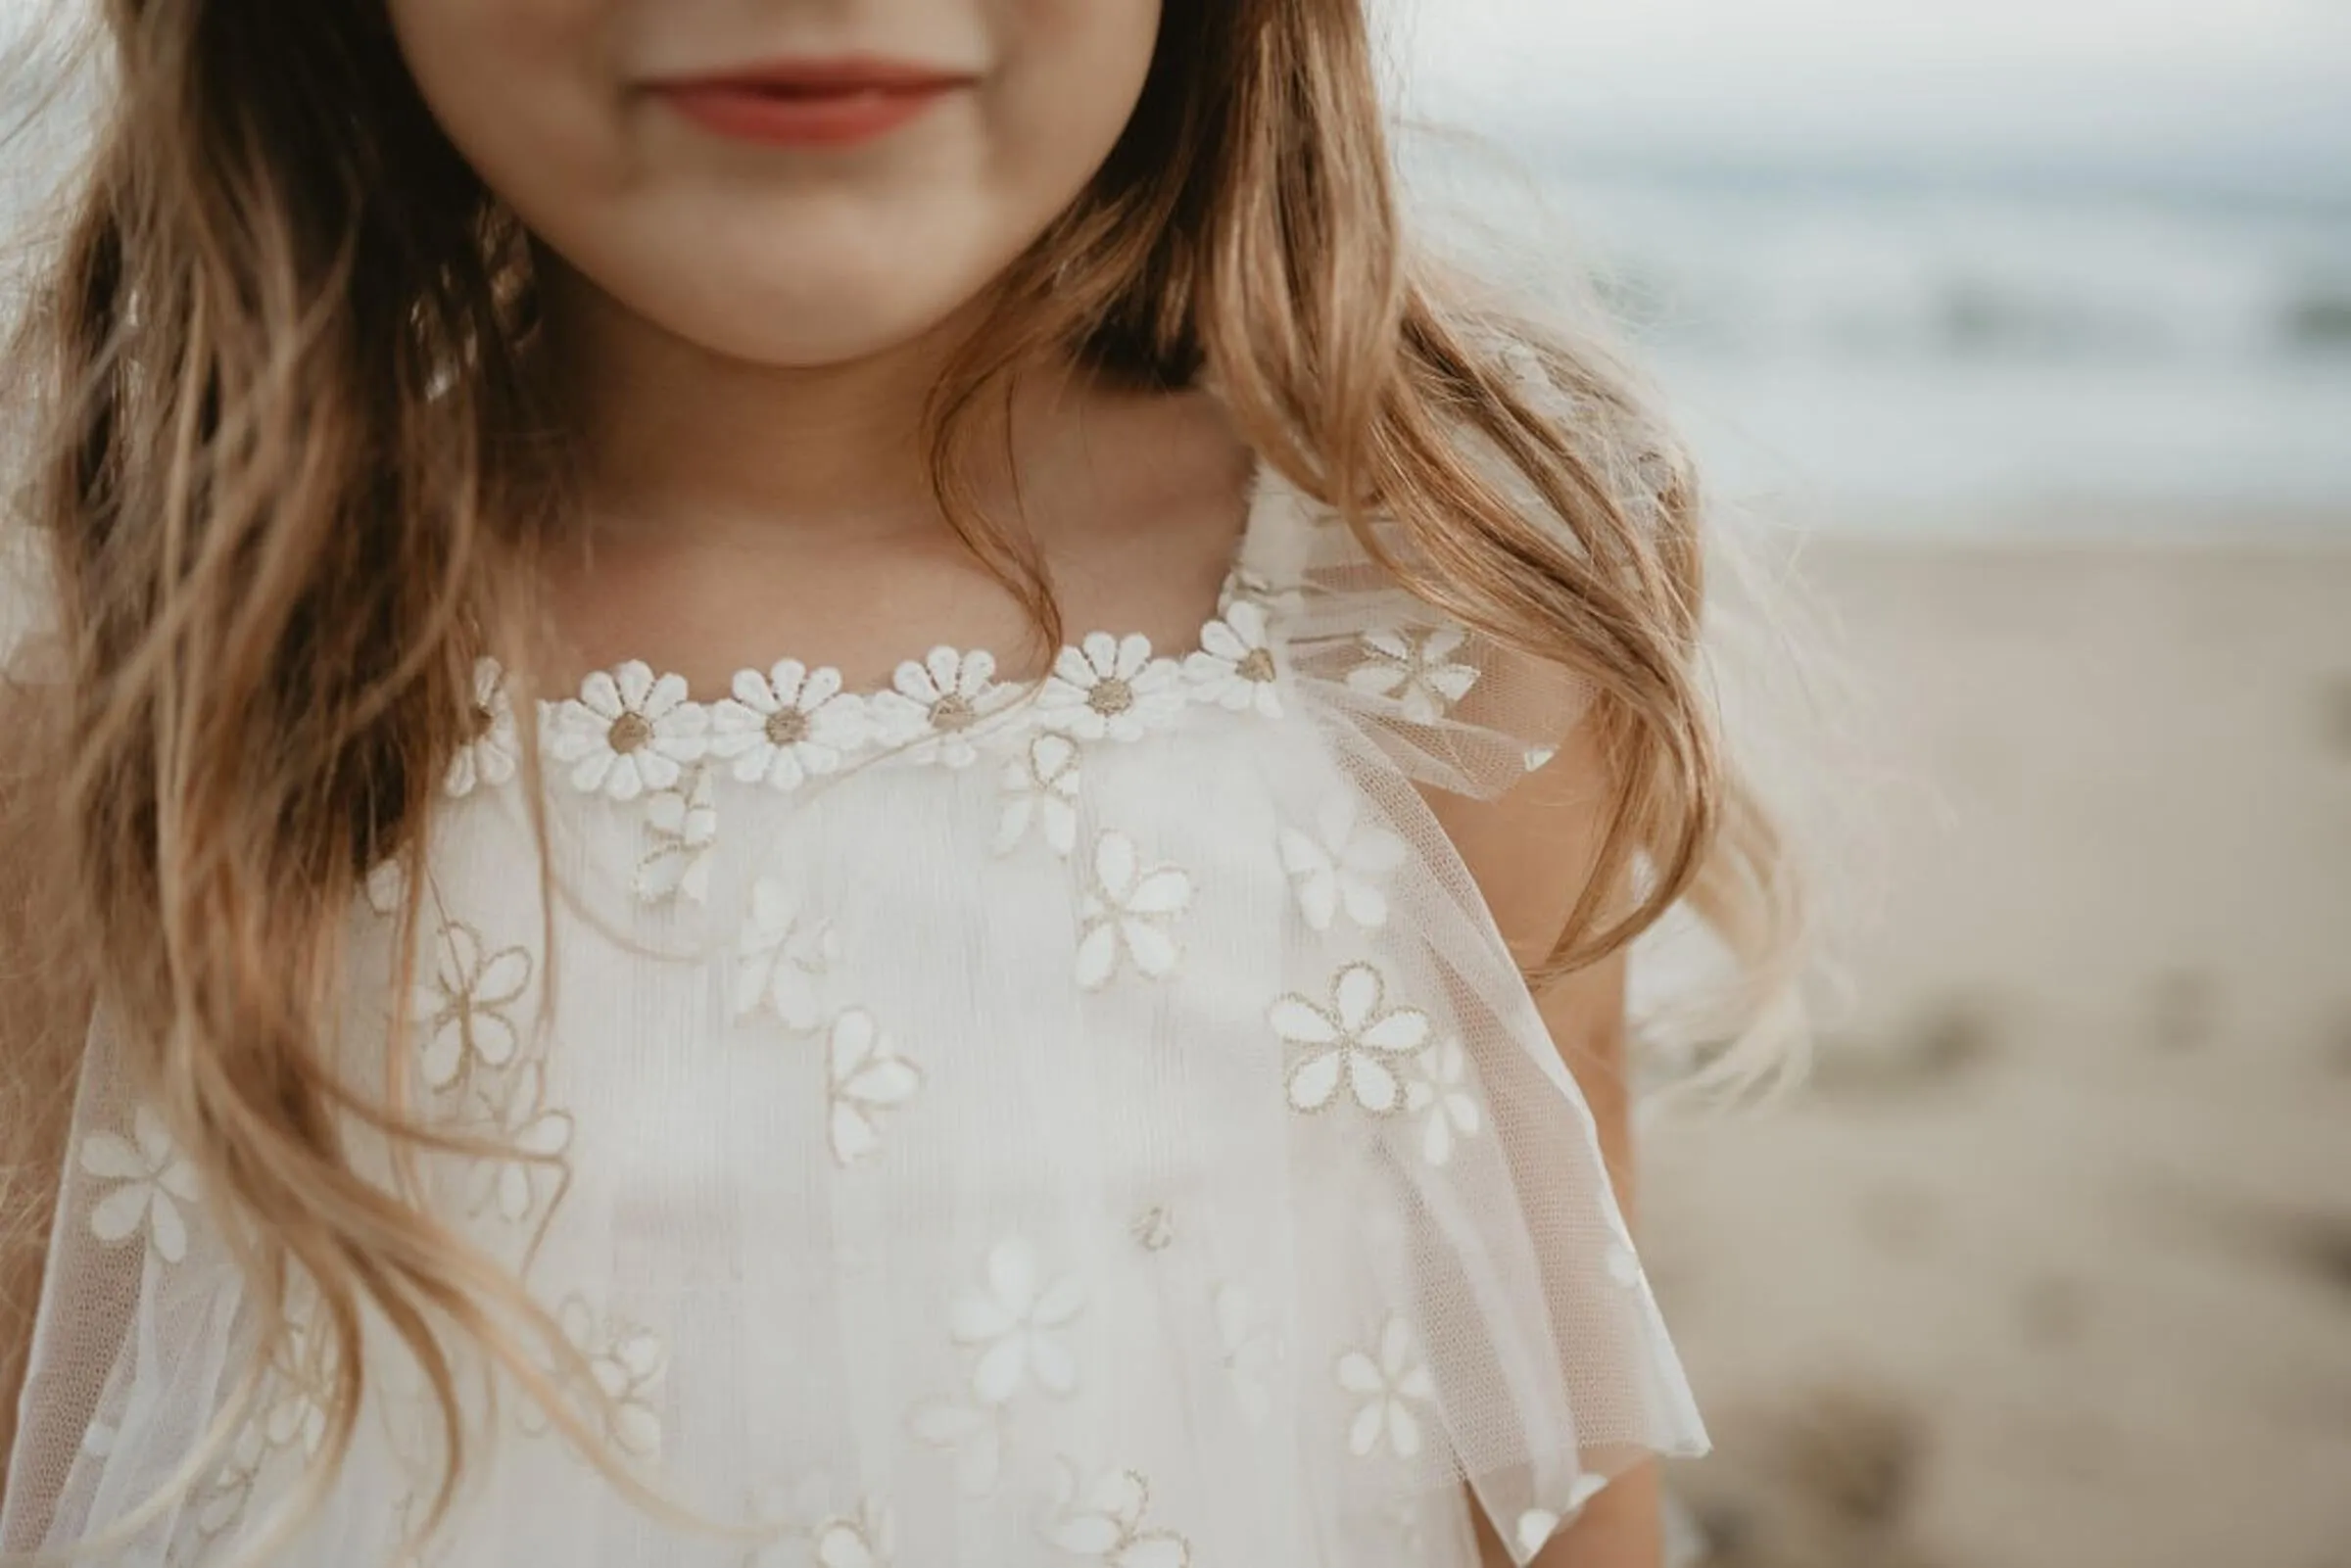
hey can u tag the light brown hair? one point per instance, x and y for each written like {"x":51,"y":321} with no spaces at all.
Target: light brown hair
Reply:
{"x":288,"y":479}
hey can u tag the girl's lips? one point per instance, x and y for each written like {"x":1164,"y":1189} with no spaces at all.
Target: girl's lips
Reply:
{"x":811,"y":103}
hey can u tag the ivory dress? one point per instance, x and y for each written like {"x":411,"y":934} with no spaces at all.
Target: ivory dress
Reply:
{"x":963,"y":1125}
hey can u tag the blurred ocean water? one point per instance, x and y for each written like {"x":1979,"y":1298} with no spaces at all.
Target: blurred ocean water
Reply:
{"x":1954,"y":347}
{"x":1895,"y":347}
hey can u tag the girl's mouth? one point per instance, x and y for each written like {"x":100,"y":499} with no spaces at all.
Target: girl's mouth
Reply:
{"x":809,"y":103}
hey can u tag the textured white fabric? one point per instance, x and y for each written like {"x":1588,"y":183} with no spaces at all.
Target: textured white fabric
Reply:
{"x":962,"y":1126}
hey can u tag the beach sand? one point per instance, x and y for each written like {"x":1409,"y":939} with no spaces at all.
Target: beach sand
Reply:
{"x":2050,"y":1265}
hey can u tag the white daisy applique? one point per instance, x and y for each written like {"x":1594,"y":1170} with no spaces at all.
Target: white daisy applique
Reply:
{"x":1235,"y":666}
{"x":1111,"y":688}
{"x":1019,"y":1323}
{"x":492,"y":748}
{"x":302,"y":1376}
{"x":1416,"y":668}
{"x":230,"y":1489}
{"x":150,"y":1180}
{"x":522,"y":1177}
{"x":1342,"y":866}
{"x":628,"y":732}
{"x":1357,"y":1042}
{"x":680,"y":833}
{"x":1107,"y":1521}
{"x":1437,"y":1089}
{"x":866,"y":1079}
{"x":1392,"y":1382}
{"x":785,"y":953}
{"x":1128,"y":914}
{"x":864,"y":1539}
{"x":787,"y":726}
{"x":627,"y":1365}
{"x":1040,"y":795}
{"x":802,"y":1532}
{"x":289,"y":1412}
{"x":934,"y":710}
{"x":462,"y":1007}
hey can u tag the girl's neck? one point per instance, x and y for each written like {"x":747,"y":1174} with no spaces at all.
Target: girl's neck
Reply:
{"x":680,"y":441}
{"x":738,"y":512}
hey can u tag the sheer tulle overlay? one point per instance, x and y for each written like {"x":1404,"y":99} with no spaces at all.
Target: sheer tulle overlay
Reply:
{"x":1091,"y":1122}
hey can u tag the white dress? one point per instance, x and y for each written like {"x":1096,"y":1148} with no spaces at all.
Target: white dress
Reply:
{"x":961,"y":1127}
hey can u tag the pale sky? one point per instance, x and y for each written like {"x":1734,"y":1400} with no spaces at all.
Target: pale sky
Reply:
{"x":2163,"y":82}
{"x":2151,"y":78}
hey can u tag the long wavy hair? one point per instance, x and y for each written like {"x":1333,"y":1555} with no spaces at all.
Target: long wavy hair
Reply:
{"x":287,"y":480}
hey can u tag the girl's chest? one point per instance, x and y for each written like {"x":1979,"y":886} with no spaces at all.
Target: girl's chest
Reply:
{"x":1048,"y":966}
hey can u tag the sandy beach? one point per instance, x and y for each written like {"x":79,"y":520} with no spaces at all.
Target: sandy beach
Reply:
{"x":2050,"y":1265}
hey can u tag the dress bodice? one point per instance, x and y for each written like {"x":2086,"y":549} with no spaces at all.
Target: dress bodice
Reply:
{"x":968,"y":1124}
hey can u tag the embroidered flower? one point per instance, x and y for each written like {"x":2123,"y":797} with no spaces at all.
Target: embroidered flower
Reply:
{"x":463,"y":1006}
{"x":491,"y":748}
{"x":302,"y":1377}
{"x":627,"y":733}
{"x":934,"y":707}
{"x":1344,"y":864}
{"x":626,"y":1366}
{"x":1018,"y":1323}
{"x":1353,"y":1041}
{"x":1437,"y":1087}
{"x":533,"y":1140}
{"x":1390,"y":1380}
{"x":784,"y":952}
{"x":231,"y":1486}
{"x":290,"y":1411}
{"x":1624,"y":1265}
{"x":1154,"y":1230}
{"x":152,"y":1180}
{"x":1129,"y":911}
{"x":1251,"y":1352}
{"x":863,"y":1541}
{"x":1040,"y":792}
{"x":1111,"y":686}
{"x":976,"y":1434}
{"x":786,"y":726}
{"x":865,"y":1078}
{"x":1417,"y":670}
{"x":1107,"y":1522}
{"x":681,"y":828}
{"x":1235,"y":666}
{"x":805,"y":1535}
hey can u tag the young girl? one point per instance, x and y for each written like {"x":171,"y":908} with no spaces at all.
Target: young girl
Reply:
{"x":783,"y":794}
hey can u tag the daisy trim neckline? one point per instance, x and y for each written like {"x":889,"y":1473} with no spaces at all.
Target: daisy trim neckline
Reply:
{"x":630,"y":731}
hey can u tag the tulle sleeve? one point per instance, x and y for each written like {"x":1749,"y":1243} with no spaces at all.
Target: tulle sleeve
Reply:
{"x":1544,"y":1344}
{"x":141,"y":1330}
{"x":1451,"y":708}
